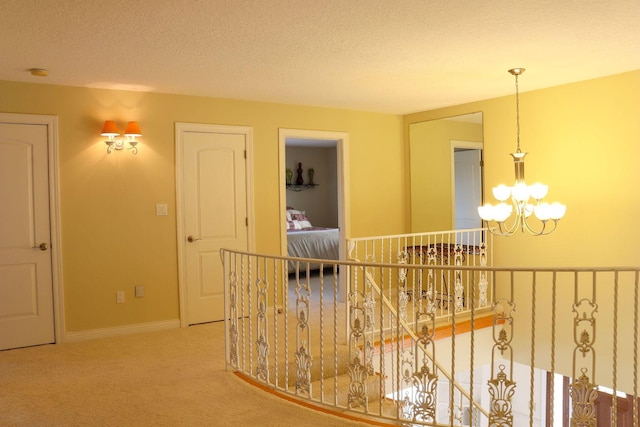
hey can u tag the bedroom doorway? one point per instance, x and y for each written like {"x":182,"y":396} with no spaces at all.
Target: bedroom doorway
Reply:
{"x":333,"y":172}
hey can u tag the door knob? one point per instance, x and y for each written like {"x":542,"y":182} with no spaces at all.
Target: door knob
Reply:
{"x":42,"y":246}
{"x":192,"y":239}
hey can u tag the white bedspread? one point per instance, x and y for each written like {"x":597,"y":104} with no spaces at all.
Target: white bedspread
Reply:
{"x":322,"y":244}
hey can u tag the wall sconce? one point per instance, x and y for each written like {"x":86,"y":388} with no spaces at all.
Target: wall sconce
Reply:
{"x":130,"y":133}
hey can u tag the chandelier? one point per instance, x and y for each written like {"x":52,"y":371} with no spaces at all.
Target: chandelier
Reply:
{"x":519,"y":194}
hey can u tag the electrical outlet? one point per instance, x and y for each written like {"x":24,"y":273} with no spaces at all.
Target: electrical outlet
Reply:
{"x":120,"y":297}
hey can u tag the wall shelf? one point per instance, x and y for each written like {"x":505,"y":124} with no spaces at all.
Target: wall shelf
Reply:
{"x":300,"y":187}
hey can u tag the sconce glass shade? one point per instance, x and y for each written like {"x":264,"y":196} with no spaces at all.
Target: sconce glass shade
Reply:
{"x":133,"y":129}
{"x":110,"y":129}
{"x":129,"y":142}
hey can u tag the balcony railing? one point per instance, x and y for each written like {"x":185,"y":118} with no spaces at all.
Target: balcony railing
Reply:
{"x":553,"y":347}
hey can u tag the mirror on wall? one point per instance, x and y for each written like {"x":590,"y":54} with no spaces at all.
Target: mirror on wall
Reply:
{"x":446,"y":173}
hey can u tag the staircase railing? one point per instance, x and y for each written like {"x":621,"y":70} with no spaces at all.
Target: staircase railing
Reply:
{"x":414,"y":347}
{"x":442,"y":293}
{"x":288,"y":333}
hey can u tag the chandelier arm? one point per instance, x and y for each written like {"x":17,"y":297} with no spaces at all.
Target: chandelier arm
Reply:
{"x":542,"y":232}
{"x":501,"y":231}
{"x":530,"y":229}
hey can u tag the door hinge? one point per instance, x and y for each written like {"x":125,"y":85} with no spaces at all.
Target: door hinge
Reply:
{"x":481,"y":163}
{"x":245,"y":154}
{"x":246,"y":222}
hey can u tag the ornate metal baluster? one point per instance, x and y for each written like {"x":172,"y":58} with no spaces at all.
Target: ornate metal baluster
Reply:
{"x":583,"y":391}
{"x":420,"y":385}
{"x":423,"y":382}
{"x":262,"y":344}
{"x":303,"y":337}
{"x":455,"y":413}
{"x":233,"y":321}
{"x":369,"y":305}
{"x":403,"y":295}
{"x":361,"y":348}
{"x":501,"y":390}
{"x":358,"y":384}
{"x":357,"y":372}
{"x":432,"y":258}
{"x":458,"y":292}
{"x":483,"y":283}
{"x":501,"y":385}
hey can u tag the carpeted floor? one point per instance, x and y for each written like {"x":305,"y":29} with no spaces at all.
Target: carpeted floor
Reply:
{"x":168,"y":378}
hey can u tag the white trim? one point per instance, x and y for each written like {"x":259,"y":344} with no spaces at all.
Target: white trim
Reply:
{"x":122,"y":330}
{"x":472,"y":145}
{"x":344,"y":212}
{"x":181,"y":128}
{"x":51,"y":122}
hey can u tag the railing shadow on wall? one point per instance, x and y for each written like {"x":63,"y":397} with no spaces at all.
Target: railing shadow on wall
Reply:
{"x":438,"y":343}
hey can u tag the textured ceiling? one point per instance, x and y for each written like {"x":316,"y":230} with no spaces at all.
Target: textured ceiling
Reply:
{"x":392,"y":56}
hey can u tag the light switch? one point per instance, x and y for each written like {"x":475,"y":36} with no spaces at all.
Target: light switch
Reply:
{"x":162,"y":209}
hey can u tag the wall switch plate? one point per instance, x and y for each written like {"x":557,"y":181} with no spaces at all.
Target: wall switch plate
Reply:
{"x":120,"y":297}
{"x":139,"y":291}
{"x":162,"y":209}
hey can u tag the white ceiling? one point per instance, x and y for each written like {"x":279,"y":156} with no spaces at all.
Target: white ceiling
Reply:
{"x":391,"y":56}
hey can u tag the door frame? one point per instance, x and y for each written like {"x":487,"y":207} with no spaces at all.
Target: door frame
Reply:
{"x":342,"y":152}
{"x":471,"y":145}
{"x":51,"y":122}
{"x":181,"y":128}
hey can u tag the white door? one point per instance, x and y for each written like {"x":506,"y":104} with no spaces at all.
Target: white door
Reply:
{"x":468,"y":188}
{"x":214,"y":212}
{"x":26,"y":285}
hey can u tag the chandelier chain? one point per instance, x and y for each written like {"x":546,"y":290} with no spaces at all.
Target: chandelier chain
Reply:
{"x":517,"y":116}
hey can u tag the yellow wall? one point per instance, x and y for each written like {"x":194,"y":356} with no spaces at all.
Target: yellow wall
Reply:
{"x":583,"y":140}
{"x":430,"y":164}
{"x":111,"y":238}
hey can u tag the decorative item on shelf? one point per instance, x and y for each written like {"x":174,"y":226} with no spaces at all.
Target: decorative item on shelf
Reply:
{"x":288,"y":176}
{"x":129,"y":142}
{"x":311,"y":173}
{"x":520,"y":194}
{"x":299,"y":179}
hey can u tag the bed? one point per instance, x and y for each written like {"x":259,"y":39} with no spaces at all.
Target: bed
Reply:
{"x":306,"y":241}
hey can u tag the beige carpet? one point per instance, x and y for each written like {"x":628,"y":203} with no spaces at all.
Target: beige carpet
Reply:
{"x":168,"y":378}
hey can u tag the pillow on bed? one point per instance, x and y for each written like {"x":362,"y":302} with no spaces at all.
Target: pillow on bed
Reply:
{"x":299,"y":217}
{"x":297,"y":220}
{"x":293,"y":225}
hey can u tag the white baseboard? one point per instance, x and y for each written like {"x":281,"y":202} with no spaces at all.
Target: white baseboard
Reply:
{"x":120,"y":330}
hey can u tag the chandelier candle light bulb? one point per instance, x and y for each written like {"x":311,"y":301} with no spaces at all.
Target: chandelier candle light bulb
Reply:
{"x":520,"y":193}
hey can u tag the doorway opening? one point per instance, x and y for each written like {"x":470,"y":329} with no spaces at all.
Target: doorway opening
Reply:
{"x":326,"y":201}
{"x":466,"y":179}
